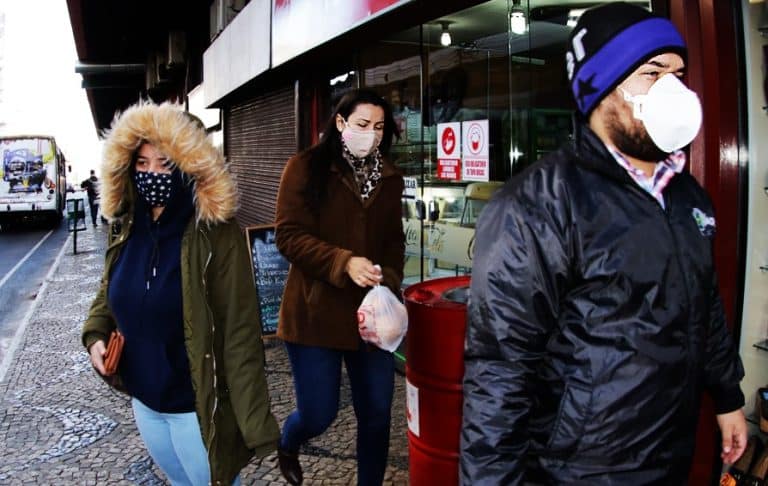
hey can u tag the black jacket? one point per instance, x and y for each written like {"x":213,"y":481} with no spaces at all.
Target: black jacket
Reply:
{"x":91,"y":185}
{"x":594,"y":324}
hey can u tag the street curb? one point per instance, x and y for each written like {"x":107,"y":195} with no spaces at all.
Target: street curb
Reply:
{"x":6,"y":364}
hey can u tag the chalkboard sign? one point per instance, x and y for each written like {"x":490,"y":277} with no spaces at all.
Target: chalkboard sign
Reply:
{"x":270,"y":270}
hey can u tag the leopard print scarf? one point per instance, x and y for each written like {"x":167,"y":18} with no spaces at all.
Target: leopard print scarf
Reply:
{"x":367,"y":170}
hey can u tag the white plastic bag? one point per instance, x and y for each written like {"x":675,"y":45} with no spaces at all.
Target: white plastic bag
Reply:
{"x":382,"y":319}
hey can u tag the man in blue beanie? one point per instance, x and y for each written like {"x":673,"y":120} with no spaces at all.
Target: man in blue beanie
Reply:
{"x":595,"y":322}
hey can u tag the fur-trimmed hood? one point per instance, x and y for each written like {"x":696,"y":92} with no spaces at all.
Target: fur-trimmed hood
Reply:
{"x":180,"y":138}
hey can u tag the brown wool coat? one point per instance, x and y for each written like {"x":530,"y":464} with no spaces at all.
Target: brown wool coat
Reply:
{"x":320,"y":301}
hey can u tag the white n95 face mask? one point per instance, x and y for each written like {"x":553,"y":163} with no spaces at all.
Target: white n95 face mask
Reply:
{"x":670,"y":112}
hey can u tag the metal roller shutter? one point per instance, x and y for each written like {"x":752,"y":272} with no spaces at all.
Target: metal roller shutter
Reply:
{"x":260,"y":136}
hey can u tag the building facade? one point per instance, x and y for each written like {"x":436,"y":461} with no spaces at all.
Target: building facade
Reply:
{"x":492,"y":70}
{"x":479,"y":92}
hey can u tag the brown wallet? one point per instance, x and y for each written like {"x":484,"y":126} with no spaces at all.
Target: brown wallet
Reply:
{"x":114,"y":350}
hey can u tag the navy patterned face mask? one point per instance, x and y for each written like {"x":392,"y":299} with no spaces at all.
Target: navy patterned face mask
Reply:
{"x":154,"y":187}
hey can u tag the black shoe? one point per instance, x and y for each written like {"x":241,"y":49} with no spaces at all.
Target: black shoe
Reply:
{"x":289,"y":466}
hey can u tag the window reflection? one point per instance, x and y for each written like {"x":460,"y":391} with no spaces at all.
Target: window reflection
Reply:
{"x":505,"y":64}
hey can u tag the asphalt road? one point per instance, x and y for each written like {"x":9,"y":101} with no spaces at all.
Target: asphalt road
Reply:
{"x":27,"y":254}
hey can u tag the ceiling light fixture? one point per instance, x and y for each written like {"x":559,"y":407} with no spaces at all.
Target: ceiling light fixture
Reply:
{"x":445,"y":37}
{"x":518,"y":22}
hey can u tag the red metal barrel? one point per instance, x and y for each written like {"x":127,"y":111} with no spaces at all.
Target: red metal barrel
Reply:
{"x":434,"y":369}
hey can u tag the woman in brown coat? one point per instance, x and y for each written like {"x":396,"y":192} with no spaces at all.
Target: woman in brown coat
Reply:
{"x":339,"y":224}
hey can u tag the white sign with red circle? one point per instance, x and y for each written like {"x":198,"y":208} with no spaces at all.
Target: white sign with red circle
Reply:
{"x":475,"y":151}
{"x":449,"y":140}
{"x":449,"y":151}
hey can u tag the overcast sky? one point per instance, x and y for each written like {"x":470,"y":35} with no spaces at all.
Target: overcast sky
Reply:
{"x":41,"y":92}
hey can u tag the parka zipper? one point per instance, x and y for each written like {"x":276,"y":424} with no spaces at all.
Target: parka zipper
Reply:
{"x":213,"y":355}
{"x":665,"y":214}
{"x":686,"y":291}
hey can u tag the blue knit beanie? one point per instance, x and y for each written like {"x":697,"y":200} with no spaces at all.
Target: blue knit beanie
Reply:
{"x":608,"y":43}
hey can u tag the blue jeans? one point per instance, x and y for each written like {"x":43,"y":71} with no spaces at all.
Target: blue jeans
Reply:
{"x":175,"y":444}
{"x":317,"y":382}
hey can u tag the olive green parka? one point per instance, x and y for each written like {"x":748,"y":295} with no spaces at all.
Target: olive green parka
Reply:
{"x":222,"y":334}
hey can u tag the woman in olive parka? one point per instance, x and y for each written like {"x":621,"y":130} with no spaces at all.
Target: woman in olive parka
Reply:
{"x":177,"y":283}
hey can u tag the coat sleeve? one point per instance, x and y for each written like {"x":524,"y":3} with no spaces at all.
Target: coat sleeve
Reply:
{"x":100,"y":321}
{"x":723,"y":369}
{"x":236,"y":314}
{"x":394,"y":252}
{"x":314,"y":256}
{"x":519,"y":271}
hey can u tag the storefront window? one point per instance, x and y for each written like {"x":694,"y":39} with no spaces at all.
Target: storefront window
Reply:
{"x":393,"y":68}
{"x":479,"y":95}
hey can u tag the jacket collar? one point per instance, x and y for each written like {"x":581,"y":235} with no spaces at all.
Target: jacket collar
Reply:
{"x":591,"y":153}
{"x":121,"y":227}
{"x":388,"y":169}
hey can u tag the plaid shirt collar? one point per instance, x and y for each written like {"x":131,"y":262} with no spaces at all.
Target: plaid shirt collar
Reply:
{"x":665,"y":170}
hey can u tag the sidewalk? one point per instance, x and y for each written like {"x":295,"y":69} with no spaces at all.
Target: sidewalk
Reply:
{"x":60,"y":424}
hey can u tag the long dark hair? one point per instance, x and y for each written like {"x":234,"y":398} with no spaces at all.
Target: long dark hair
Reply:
{"x":329,"y":149}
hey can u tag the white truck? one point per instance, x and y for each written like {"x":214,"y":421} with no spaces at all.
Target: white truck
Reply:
{"x":32,"y":179}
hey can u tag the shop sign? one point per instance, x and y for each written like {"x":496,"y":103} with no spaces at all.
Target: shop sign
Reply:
{"x":449,"y":169}
{"x":475,"y":138}
{"x":449,"y":151}
{"x":411,"y":186}
{"x":300,"y":25}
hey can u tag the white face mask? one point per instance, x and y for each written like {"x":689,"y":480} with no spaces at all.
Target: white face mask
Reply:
{"x":670,"y":112}
{"x":360,"y":142}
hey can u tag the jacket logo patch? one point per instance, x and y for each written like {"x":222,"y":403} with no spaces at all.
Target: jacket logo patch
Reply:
{"x":705,"y":223}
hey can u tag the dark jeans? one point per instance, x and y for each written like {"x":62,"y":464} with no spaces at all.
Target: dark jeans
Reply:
{"x":94,"y":210}
{"x":317,"y":381}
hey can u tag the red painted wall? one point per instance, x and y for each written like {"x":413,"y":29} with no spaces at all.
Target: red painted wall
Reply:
{"x":713,"y":72}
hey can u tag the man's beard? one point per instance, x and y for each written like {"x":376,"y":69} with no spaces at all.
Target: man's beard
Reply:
{"x":633,"y":140}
